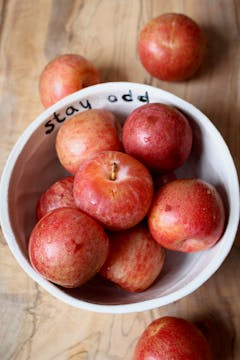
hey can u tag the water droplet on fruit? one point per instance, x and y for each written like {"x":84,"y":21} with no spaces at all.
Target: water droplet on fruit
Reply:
{"x":168,"y":208}
{"x":146,"y":139}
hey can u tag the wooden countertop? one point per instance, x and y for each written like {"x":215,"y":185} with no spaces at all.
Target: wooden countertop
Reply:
{"x":34,"y":325}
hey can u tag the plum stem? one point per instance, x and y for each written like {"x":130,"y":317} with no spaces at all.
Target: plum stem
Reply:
{"x":114,"y":171}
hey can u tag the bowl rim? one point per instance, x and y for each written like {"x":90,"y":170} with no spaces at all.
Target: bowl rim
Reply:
{"x":202,"y":277}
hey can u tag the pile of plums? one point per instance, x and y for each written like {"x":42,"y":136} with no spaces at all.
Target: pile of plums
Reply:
{"x":121,"y":205}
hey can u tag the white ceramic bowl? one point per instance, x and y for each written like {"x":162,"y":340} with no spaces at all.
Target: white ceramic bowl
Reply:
{"x":33,"y":165}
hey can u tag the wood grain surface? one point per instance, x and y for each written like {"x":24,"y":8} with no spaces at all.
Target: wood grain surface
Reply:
{"x":34,"y":325}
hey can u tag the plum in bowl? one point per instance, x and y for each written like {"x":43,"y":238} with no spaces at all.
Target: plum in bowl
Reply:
{"x":33,"y":166}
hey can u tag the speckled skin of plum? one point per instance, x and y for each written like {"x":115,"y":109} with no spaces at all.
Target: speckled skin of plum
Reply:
{"x":86,"y":134}
{"x":117,"y":204}
{"x":172,"y":338}
{"x":187,"y":215}
{"x":135,"y":259}
{"x":64,"y":75}
{"x":68,"y":247}
{"x":59,"y":194}
{"x":171,"y":47}
{"x":159,"y":136}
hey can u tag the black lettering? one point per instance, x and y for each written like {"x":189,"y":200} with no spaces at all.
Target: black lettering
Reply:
{"x":128,"y":96}
{"x":71,"y":110}
{"x":112,"y":98}
{"x":144,"y":98}
{"x":50,"y":126}
{"x":85,"y":106}
{"x":56,"y":117}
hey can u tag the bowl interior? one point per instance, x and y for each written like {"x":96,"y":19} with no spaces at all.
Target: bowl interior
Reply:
{"x":33,"y":166}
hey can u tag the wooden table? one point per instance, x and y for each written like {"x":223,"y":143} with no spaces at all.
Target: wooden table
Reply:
{"x":34,"y":325}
